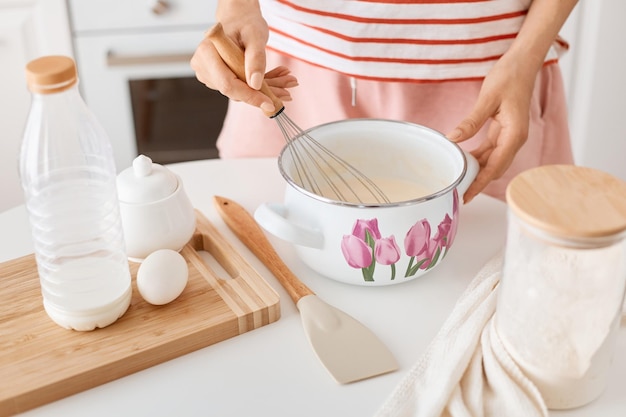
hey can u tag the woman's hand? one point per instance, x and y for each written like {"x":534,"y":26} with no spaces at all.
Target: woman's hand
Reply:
{"x":507,"y":90}
{"x":242,"y":21}
{"x":505,"y":98}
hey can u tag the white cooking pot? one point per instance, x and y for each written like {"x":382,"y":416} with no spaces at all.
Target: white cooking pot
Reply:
{"x":376,"y":244}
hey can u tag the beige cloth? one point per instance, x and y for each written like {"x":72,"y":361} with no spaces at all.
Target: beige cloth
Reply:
{"x":465,"y":371}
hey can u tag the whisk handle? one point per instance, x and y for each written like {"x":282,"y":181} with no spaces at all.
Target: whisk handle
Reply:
{"x":233,"y":56}
{"x":250,"y":233}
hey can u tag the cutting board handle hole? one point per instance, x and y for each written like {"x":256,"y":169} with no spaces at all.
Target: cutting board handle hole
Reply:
{"x":212,"y":263}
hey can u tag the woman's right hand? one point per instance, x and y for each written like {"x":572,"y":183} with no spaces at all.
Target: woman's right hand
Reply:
{"x":242,"y":21}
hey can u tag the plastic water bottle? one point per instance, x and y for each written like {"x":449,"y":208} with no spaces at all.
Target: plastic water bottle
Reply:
{"x":68,"y":175}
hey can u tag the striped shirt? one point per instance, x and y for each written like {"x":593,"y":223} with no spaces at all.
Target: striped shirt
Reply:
{"x":401,"y":40}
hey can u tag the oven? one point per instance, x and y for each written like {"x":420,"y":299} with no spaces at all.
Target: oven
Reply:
{"x":134,"y":73}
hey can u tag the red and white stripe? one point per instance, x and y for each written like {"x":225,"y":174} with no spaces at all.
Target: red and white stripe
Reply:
{"x":401,"y":40}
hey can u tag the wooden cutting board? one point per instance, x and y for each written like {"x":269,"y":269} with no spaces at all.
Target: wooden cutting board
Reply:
{"x":41,"y":362}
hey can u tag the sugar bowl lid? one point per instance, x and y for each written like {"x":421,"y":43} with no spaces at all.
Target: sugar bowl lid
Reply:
{"x":569,"y":202}
{"x":145,"y":182}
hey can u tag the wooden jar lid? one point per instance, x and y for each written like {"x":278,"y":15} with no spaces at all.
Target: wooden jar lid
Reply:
{"x":569,"y":201}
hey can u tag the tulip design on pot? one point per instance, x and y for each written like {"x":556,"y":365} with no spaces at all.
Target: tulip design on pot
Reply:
{"x":365,"y":246}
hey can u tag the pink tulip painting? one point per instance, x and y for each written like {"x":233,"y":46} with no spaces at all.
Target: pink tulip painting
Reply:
{"x":416,"y":240}
{"x":455,"y":219}
{"x":361,"y":227}
{"x":418,"y":246}
{"x":443,"y":231}
{"x":387,"y":252}
{"x":358,"y":247}
{"x":425,"y":252}
{"x":365,"y":247}
{"x":356,"y":252}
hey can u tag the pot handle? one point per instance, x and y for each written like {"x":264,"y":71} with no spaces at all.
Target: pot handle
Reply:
{"x":272,"y":218}
{"x":470,"y":173}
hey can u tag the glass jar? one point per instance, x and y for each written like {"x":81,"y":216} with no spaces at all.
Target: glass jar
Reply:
{"x":562,"y":290}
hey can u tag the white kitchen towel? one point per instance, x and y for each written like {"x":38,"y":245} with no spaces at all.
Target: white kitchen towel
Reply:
{"x":465,"y":371}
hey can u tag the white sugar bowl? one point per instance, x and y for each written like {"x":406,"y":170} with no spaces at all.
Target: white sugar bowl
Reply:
{"x":155,"y":210}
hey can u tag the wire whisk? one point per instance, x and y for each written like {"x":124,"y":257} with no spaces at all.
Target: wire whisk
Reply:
{"x":315,"y":167}
{"x":321,"y":171}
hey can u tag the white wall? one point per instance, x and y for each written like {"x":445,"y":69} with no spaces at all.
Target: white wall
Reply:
{"x":595,"y":73}
{"x":569,"y":33}
{"x":28,"y":29}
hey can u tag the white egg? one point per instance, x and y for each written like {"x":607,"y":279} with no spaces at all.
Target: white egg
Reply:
{"x":162,"y":276}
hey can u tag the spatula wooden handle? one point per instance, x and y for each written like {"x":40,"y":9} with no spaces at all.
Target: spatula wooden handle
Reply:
{"x":250,"y":233}
{"x":233,"y":56}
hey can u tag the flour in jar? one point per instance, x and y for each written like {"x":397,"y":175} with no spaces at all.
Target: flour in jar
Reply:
{"x":557,"y":313}
{"x":353,"y":190}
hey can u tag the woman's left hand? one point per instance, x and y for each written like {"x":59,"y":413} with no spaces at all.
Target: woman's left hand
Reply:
{"x":505,"y":99}
{"x":507,"y":90}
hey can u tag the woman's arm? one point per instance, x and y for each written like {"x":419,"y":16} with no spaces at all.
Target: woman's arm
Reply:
{"x":507,"y":91}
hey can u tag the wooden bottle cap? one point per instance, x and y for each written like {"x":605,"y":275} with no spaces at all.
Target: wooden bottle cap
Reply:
{"x":569,"y":201}
{"x":50,"y":74}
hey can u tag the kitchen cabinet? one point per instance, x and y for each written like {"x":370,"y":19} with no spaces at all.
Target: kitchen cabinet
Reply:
{"x":136,"y":78}
{"x":28,"y":29}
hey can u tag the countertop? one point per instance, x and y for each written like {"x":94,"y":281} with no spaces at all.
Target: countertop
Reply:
{"x":272,"y":371}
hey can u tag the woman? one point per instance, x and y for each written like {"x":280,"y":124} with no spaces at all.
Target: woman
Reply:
{"x":484,"y":72}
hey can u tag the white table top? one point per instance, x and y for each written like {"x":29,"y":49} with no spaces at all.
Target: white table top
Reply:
{"x":272,"y":371}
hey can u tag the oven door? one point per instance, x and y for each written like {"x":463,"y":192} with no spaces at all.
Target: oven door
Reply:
{"x":143,"y":91}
